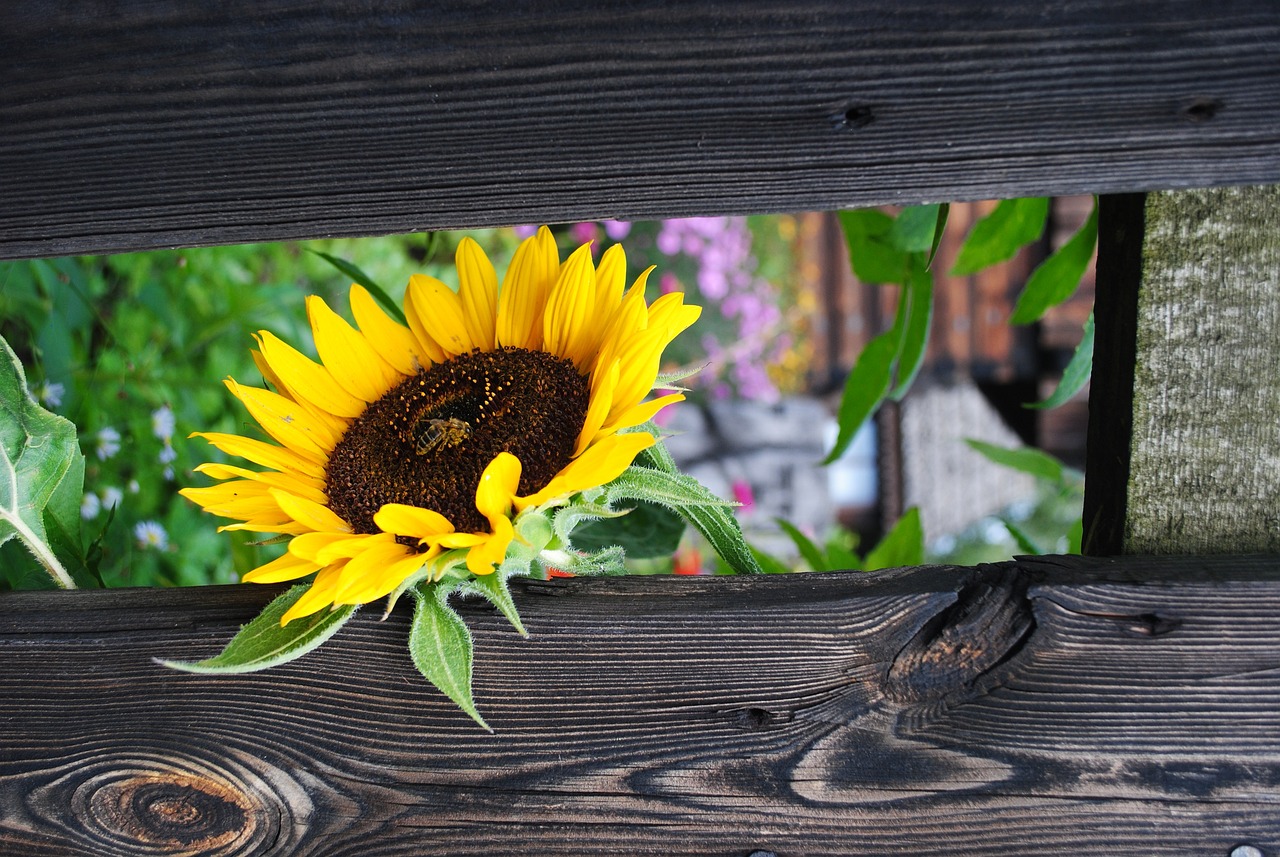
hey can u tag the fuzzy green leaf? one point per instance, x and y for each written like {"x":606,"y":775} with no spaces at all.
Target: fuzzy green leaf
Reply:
{"x":358,"y":275}
{"x":903,"y":545}
{"x":39,"y":452}
{"x":1029,"y":460}
{"x":1001,"y":234}
{"x":1077,"y":373}
{"x":647,"y":530}
{"x":264,"y":643}
{"x":441,"y":647}
{"x":710,"y":515}
{"x":872,"y":253}
{"x":1057,"y":277}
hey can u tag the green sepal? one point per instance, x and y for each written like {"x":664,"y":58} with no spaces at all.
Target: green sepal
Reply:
{"x":603,"y":562}
{"x":579,"y":511}
{"x":264,"y":643}
{"x":671,"y":380}
{"x":441,"y":647}
{"x":495,"y":589}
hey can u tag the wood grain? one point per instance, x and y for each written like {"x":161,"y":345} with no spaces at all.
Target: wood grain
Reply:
{"x":1051,"y":706}
{"x":145,"y":125}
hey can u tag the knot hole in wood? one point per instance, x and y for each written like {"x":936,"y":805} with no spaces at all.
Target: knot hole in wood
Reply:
{"x":988,"y":623}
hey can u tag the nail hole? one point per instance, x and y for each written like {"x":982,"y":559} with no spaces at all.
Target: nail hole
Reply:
{"x":853,"y":116}
{"x":1201,"y":109}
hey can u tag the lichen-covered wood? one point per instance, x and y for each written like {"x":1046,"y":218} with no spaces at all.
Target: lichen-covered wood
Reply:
{"x":1204,"y":466}
{"x":1051,"y":706}
{"x":144,"y":125}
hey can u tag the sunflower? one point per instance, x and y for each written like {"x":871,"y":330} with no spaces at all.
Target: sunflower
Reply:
{"x":408,"y":450}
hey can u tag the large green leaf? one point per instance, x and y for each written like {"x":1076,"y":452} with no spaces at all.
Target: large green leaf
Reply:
{"x":809,"y":551}
{"x":866,"y":388}
{"x":41,"y":475}
{"x":997,"y":237}
{"x":1077,"y":373}
{"x":1033,"y":462}
{"x":872,"y":253}
{"x":441,"y":647}
{"x":916,"y":227}
{"x":264,"y":643}
{"x":901,"y":546}
{"x":1057,"y":277}
{"x":915,"y":335}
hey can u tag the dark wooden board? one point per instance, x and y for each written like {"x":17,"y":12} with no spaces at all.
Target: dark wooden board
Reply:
{"x":1053,"y":706}
{"x":144,"y":125}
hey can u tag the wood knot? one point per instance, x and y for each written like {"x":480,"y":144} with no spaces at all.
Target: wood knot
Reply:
{"x":988,"y":623}
{"x":125,"y":799}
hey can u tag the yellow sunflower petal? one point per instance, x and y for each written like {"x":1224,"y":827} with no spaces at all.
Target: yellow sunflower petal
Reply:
{"x":315,"y":516}
{"x":439,"y":311}
{"x":383,"y":580}
{"x":641,"y":358}
{"x":302,"y":378}
{"x":411,"y":521}
{"x":529,"y":279}
{"x":570,"y":312}
{"x":263,"y":454}
{"x":630,"y":318}
{"x":414,"y":314}
{"x":497,"y":486}
{"x":268,"y":374}
{"x":611,"y":279}
{"x":603,"y":384}
{"x":478,"y":289}
{"x":288,"y":422}
{"x":641,"y":413}
{"x":319,"y":596}
{"x":355,"y":364}
{"x":311,"y":489}
{"x":376,"y":570}
{"x":394,"y":342}
{"x":280,"y":569}
{"x":603,"y":462}
{"x":323,"y":548}
{"x":482,"y":558}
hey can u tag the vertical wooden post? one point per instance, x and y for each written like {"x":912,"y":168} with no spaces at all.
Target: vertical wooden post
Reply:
{"x":1185,"y":413}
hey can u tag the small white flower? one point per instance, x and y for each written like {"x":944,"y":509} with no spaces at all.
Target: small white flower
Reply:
{"x":111,"y":497}
{"x":162,"y":423}
{"x":133,"y":486}
{"x":50,"y":393}
{"x":167,"y":455}
{"x":90,"y":507}
{"x":168,"y":474}
{"x":108,"y":443}
{"x":151,"y":535}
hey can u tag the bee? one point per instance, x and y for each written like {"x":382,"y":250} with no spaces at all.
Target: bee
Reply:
{"x":430,"y":434}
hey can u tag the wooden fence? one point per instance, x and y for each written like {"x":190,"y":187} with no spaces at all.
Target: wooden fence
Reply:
{"x":1113,"y":704}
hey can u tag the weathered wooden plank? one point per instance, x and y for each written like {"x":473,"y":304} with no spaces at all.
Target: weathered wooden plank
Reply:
{"x":1054,"y":706}
{"x":142,"y":125}
{"x":1188,"y":417}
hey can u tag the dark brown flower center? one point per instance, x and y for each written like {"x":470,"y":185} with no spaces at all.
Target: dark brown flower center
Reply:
{"x":428,"y":439}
